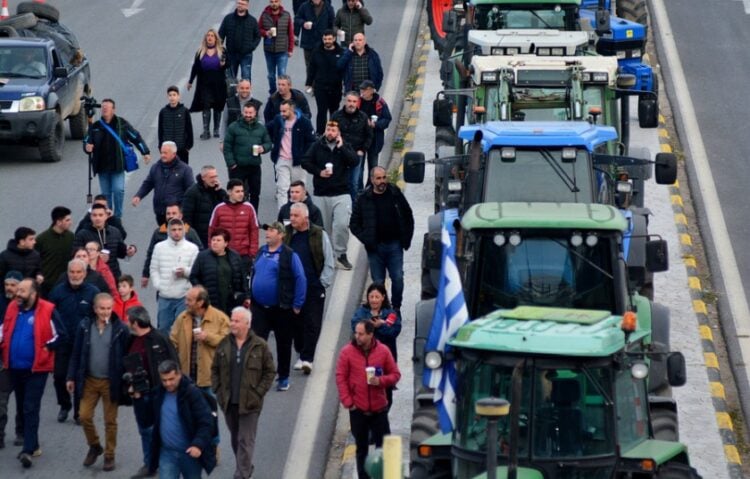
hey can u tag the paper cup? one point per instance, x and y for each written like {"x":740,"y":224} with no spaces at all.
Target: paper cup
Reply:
{"x":256,"y":150}
{"x":370,"y":371}
{"x":273,"y":31}
{"x":374,"y":118}
{"x":197,"y":330}
{"x":341,"y":35}
{"x":329,"y":167}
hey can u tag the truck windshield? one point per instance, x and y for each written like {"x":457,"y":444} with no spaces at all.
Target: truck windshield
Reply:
{"x":23,"y":62}
{"x":540,"y":176}
{"x":543,"y":270}
{"x":501,"y":17}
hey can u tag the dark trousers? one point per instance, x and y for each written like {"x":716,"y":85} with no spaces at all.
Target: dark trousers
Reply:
{"x":161,"y":219}
{"x":280,"y":322}
{"x":29,"y":388}
{"x":328,"y":101}
{"x":372,"y":160}
{"x":5,"y":389}
{"x":242,"y":429}
{"x":307,"y":331}
{"x":184,"y":155}
{"x":363,"y":425}
{"x":62,"y":360}
{"x":250,"y":176}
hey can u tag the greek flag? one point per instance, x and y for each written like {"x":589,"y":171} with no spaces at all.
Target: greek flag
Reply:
{"x":450,"y":314}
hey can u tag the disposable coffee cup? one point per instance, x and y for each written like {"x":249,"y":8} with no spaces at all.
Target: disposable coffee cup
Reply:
{"x":308,"y":25}
{"x":341,"y":35}
{"x":273,"y":31}
{"x":329,"y":167}
{"x":370,"y":371}
{"x":287,"y":222}
{"x":374,"y":118}
{"x":256,"y":150}
{"x":197,"y":330}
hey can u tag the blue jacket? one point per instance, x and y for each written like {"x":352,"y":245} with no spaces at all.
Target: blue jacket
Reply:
{"x":169,"y":182}
{"x":373,"y":62}
{"x":310,"y":39}
{"x":73,"y":305}
{"x":196,"y":417}
{"x":79,"y":360}
{"x":283,"y":276}
{"x":385,"y":334}
{"x":302,"y":137}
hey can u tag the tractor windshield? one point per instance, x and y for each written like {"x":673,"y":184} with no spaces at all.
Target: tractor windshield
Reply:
{"x":536,"y":103}
{"x":562,"y":269}
{"x":546,"y":17}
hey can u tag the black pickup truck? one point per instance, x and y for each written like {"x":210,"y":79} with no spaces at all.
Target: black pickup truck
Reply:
{"x":43,"y":75}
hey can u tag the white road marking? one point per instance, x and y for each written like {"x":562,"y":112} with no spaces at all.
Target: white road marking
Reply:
{"x":134,"y":9}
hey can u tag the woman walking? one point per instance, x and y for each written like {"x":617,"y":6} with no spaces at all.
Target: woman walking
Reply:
{"x":211,"y":90}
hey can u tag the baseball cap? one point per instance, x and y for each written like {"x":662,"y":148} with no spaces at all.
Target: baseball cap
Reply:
{"x":367,"y":84}
{"x":13,"y":275}
{"x":276,"y":225}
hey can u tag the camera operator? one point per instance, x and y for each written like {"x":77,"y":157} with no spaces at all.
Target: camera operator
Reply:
{"x":152,"y":347}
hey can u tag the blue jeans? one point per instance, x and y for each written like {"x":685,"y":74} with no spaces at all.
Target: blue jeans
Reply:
{"x":169,"y":309}
{"x":241,"y":63}
{"x":355,"y":182}
{"x":29,"y":388}
{"x":112,"y":185}
{"x":145,"y":433}
{"x":172,"y":463}
{"x":389,"y":256}
{"x":276,"y":63}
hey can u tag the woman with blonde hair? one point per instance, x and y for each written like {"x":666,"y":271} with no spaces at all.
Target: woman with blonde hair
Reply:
{"x":211,"y":91}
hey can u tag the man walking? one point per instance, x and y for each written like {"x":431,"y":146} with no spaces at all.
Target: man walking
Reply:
{"x":284,"y":91}
{"x":21,"y":256}
{"x":241,"y":375}
{"x":176,"y":125}
{"x":195,"y":335}
{"x":74,"y":301}
{"x":244,"y":142}
{"x":277,"y":29}
{"x":298,"y":194}
{"x":330,"y":161}
{"x":357,"y":132}
{"x":168,"y":178}
{"x":238,"y":217}
{"x":29,"y":338}
{"x":235,"y":103}
{"x":107,"y":157}
{"x":292,"y":136}
{"x":220,"y":270}
{"x":108,"y":237}
{"x":241,"y":36}
{"x":278,"y":293}
{"x":112,"y":220}
{"x":352,"y":18}
{"x":311,"y":20}
{"x":383,"y":221}
{"x":170,"y":270}
{"x":10,"y":287}
{"x":324,"y":77}
{"x":310,"y":242}
{"x":95,"y":372}
{"x":374,"y":106}
{"x":201,"y":199}
{"x":54,"y":246}
{"x":363,"y":392}
{"x":360,"y":62}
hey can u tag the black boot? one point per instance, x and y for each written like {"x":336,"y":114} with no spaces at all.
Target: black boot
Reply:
{"x":217,"y":121}
{"x":206,"y":122}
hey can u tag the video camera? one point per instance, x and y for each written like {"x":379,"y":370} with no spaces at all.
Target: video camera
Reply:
{"x":136,"y":375}
{"x":90,"y":105}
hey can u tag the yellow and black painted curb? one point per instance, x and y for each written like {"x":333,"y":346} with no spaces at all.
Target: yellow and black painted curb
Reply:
{"x":710,"y":359}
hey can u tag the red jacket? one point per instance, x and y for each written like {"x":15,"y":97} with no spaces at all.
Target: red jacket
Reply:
{"x":121,"y":306}
{"x":103,"y":269}
{"x":44,"y":333}
{"x":241,"y":222}
{"x":351,"y":378}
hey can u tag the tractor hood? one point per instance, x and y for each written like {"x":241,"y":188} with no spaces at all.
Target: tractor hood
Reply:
{"x":533,"y":41}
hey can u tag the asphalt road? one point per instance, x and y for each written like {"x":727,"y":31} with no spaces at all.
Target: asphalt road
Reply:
{"x":133,"y":60}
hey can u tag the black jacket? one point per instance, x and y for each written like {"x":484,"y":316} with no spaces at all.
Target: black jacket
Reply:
{"x":108,"y":156}
{"x":73,"y":304}
{"x":314,"y":214}
{"x":169,"y":183}
{"x":343,"y":160}
{"x":113,"y":220}
{"x":196,"y":417}
{"x":175,"y":125}
{"x":302,"y":137}
{"x":211,"y":89}
{"x":205,"y":271}
{"x":79,"y":360}
{"x":158,"y":348}
{"x":241,"y":35}
{"x":198,"y":205}
{"x":273,"y":107}
{"x":110,"y":239}
{"x":355,"y":129}
{"x":28,"y":262}
{"x":323,"y":73}
{"x":362,"y":222}
{"x":92,"y":277}
{"x":310,"y":39}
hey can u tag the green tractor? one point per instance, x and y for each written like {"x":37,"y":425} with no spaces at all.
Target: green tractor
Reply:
{"x":582,"y":359}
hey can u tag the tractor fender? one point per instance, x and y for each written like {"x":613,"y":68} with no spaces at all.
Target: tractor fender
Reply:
{"x":422,"y":325}
{"x":660,"y":322}
{"x":634,"y":245}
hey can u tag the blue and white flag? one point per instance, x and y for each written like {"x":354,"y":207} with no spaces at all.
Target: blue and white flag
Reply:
{"x":450,"y":314}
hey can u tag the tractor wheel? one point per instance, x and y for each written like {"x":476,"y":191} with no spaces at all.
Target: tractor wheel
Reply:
{"x":674,"y":470}
{"x":664,"y":424}
{"x":20,"y":22}
{"x":634,"y":10}
{"x":51,"y":147}
{"x":424,"y":424}
{"x":658,"y":383}
{"x":435,"y":11}
{"x":41,"y":10}
{"x":8,"y":32}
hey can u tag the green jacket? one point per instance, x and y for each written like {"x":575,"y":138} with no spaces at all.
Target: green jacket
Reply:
{"x":258,"y":373}
{"x":239,"y":140}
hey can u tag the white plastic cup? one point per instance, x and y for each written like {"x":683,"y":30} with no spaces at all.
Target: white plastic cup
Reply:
{"x":256,"y":150}
{"x":308,"y":25}
{"x":374,"y":118}
{"x":273,"y":31}
{"x":329,"y":167}
{"x":370,"y":371}
{"x":197,"y":330}
{"x":341,"y":35}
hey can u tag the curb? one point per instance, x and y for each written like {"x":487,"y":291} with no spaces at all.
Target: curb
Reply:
{"x":711,"y":361}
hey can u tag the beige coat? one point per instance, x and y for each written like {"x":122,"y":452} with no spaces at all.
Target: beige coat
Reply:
{"x":216,"y":325}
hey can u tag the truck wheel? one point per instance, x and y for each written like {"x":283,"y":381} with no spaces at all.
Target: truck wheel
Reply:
{"x":51,"y":148}
{"x":8,"y":32}
{"x":664,"y":424}
{"x":20,"y":22}
{"x":674,"y":470}
{"x":41,"y":10}
{"x":634,"y":10}
{"x":424,"y":424}
{"x":79,"y":124}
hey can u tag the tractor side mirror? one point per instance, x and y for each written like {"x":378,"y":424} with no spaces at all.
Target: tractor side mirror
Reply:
{"x":602,"y":22}
{"x":442,"y":113}
{"x":450,"y":22}
{"x":676,"y":370}
{"x":60,"y":72}
{"x":414,"y":167}
{"x":657,"y":256}
{"x":665,"y":168}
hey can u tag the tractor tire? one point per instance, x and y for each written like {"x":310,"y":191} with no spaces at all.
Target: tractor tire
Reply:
{"x":424,"y":424}
{"x":51,"y":148}
{"x":8,"y":32}
{"x":79,"y":124}
{"x":41,"y":10}
{"x":429,"y":290}
{"x":634,"y":10}
{"x":658,"y":383}
{"x":20,"y":22}
{"x":435,"y":11}
{"x":674,"y":470}
{"x":664,"y":425}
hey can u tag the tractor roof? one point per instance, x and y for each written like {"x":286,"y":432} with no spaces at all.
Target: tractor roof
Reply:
{"x":569,"y":216}
{"x":526,"y":39}
{"x":518,"y":3}
{"x":542,"y":330}
{"x":549,"y":134}
{"x":536,"y":63}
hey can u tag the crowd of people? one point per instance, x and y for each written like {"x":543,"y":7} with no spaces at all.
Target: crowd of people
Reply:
{"x":67,"y":308}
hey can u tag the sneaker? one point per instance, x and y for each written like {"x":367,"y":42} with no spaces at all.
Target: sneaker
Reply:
{"x":306,"y":367}
{"x":37,"y":452}
{"x":143,"y":472}
{"x":62,"y":416}
{"x":298,"y":365}
{"x":109,"y":464}
{"x":93,"y":454}
{"x":343,"y":262}
{"x":25,"y":460}
{"x":282,"y":384}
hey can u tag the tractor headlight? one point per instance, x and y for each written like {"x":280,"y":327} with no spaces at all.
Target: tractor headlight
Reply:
{"x":512,"y":51}
{"x":489,"y":77}
{"x":497,"y":51}
{"x":433,"y":359}
{"x":639,"y":370}
{"x":543,"y":51}
{"x":31,"y":103}
{"x":558,"y":51}
{"x":454,"y":185}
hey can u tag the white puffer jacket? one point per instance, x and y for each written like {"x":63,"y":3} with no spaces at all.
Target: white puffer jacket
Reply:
{"x":168,"y":256}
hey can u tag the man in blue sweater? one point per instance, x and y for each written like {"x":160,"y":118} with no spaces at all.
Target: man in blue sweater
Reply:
{"x":278,"y":294}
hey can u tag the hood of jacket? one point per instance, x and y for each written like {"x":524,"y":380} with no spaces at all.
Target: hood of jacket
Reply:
{"x":13,"y":246}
